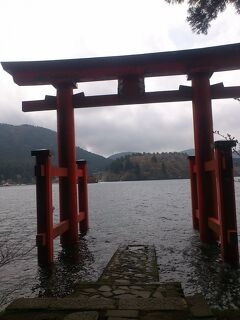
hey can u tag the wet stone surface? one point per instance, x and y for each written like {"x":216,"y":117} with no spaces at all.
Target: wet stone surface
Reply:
{"x":129,"y":288}
{"x":132,"y":264}
{"x":86,"y":315}
{"x":116,"y":292}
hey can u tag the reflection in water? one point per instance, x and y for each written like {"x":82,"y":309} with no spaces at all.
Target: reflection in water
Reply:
{"x":70,"y":267}
{"x":218,"y":282}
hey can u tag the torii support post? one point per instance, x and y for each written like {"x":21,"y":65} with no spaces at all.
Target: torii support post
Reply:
{"x":44,"y":238}
{"x":67,"y":159}
{"x":203,"y":138}
{"x":194,"y":196}
{"x":226,"y":201}
{"x":83,"y":196}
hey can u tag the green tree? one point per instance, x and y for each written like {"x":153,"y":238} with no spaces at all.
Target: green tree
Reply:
{"x":137,"y":170}
{"x":128,"y":164}
{"x":164,"y":170}
{"x":154,"y":158}
{"x":116,"y":166}
{"x":202,"y":12}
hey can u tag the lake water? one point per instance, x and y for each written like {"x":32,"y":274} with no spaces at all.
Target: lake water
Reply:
{"x":142,"y":212}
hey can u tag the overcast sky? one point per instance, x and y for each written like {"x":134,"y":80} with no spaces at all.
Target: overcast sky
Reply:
{"x":60,"y":29}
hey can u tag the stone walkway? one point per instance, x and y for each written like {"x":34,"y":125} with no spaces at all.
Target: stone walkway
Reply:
{"x":132,"y":264}
{"x":128,"y":289}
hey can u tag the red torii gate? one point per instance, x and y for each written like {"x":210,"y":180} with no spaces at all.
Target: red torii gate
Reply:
{"x":214,"y":212}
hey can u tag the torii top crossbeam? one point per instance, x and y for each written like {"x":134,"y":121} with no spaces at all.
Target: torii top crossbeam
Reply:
{"x":130,"y":72}
{"x":219,"y":58}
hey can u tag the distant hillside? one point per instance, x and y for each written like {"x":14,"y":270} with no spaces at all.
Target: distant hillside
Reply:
{"x":189,"y":152}
{"x":148,"y":166}
{"x":17,"y":165}
{"x":16,"y":143}
{"x":120,"y":155}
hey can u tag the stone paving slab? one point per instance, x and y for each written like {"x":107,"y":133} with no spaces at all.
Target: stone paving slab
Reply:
{"x":166,"y":304}
{"x":30,"y":304}
{"x":85,"y":315}
{"x":132,"y":264}
{"x":115,"y":291}
{"x":115,"y":318}
{"x":122,"y":313}
{"x":32,"y":315}
{"x":160,"y":315}
{"x":61,"y":304}
{"x":82,"y":304}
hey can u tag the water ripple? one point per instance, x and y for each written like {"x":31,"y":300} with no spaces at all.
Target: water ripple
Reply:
{"x":149,"y":212}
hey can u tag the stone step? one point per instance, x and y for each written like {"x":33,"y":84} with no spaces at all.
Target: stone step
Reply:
{"x":59,"y":304}
{"x":85,"y":308}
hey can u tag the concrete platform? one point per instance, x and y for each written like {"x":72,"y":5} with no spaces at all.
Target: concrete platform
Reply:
{"x":129,"y":288}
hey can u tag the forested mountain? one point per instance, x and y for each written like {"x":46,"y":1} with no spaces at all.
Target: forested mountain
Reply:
{"x":153,"y":166}
{"x":120,"y":155}
{"x":16,"y":143}
{"x":148,"y":166}
{"x":17,"y":165}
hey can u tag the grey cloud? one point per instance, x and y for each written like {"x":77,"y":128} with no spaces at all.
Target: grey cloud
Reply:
{"x":137,"y":128}
{"x":165,"y":127}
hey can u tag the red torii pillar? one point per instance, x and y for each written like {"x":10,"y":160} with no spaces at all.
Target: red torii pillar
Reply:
{"x":67,"y":159}
{"x":203,"y":139}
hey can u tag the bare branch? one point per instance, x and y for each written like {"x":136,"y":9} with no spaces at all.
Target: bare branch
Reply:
{"x":10,"y":252}
{"x":229,"y":137}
